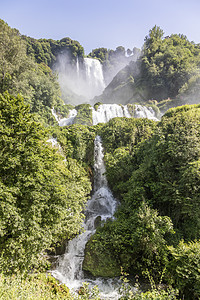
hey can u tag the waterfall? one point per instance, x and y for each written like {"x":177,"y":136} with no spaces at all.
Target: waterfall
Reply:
{"x":84,"y":77}
{"x":65,"y":121}
{"x":70,"y":120}
{"x":102,"y":205}
{"x":77,"y":67}
{"x":105,"y":112}
{"x":145,"y":112}
{"x":54,"y":114}
{"x":94,"y":77}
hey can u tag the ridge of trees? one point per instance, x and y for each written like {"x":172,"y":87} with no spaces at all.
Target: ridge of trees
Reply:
{"x":167,"y":71}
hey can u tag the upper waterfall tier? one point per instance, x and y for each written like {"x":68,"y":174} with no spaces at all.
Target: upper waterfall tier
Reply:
{"x":84,"y":78}
{"x":94,"y":77}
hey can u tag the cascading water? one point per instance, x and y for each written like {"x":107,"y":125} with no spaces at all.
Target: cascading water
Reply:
{"x":77,"y":67}
{"x":145,"y":112}
{"x":94,"y":77}
{"x":70,"y":119}
{"x":65,"y":121}
{"x":101,"y":205}
{"x":84,"y":77}
{"x":105,"y":112}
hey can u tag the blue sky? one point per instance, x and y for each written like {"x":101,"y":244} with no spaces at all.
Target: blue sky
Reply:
{"x":102,"y":23}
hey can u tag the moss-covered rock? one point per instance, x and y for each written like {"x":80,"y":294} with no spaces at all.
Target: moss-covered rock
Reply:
{"x":100,"y":262}
{"x":131,"y":109}
{"x":84,"y":114}
{"x":96,"y":105}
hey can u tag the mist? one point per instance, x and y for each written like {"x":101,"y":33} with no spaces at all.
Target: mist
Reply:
{"x":82,"y":79}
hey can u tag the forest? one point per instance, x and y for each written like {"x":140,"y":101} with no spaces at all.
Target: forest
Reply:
{"x":152,"y":168}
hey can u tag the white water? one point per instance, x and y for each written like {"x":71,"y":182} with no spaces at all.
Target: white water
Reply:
{"x":145,"y":112}
{"x":77,"y":67}
{"x":54,"y":142}
{"x":84,"y":78}
{"x":70,"y":119}
{"x":101,"y":205}
{"x":105,"y":112}
{"x":94,"y":77}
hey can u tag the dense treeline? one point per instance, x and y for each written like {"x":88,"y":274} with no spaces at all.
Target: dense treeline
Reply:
{"x":46,"y":50}
{"x":168,"y":63}
{"x":167,"y":71}
{"x":19,"y":73}
{"x":42,"y":191}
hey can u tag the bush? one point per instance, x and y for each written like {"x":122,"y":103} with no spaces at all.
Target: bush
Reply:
{"x":184,"y":269}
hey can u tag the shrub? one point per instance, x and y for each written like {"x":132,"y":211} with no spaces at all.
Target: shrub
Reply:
{"x":184,"y":269}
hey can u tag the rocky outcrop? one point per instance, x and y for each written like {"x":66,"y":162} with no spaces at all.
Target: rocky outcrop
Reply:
{"x":98,"y":262}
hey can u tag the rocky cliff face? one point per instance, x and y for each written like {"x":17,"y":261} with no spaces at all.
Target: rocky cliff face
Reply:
{"x":125,"y":87}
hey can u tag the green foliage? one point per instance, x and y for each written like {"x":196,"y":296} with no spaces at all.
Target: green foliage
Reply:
{"x":77,"y":142}
{"x":131,"y":109}
{"x":99,"y":260}
{"x":190,"y":91}
{"x":101,"y":54}
{"x":46,"y":50}
{"x":125,"y":132}
{"x":62,"y":110}
{"x":20,"y":74}
{"x":154,"y":294}
{"x":168,"y":68}
{"x":167,"y":63}
{"x":84,"y":114}
{"x":120,"y":137}
{"x":12,"y":56}
{"x":42,"y":195}
{"x":184,"y":269}
{"x":39,"y":286}
{"x":158,"y":165}
{"x":127,"y":292}
{"x":42,"y":286}
{"x":135,"y":239}
{"x":166,"y":172}
{"x":96,"y":105}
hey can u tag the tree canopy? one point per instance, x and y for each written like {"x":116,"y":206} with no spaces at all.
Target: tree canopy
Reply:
{"x":42,"y":193}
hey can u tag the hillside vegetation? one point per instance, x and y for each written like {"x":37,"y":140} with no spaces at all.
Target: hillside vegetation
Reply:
{"x":167,"y":71}
{"x":153,"y":169}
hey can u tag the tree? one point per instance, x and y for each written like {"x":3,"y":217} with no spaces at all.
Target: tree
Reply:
{"x":153,"y":40}
{"x":135,"y":240}
{"x":184,"y":269}
{"x":41,"y":194}
{"x":120,"y":50}
{"x":129,"y":52}
{"x":167,"y":63}
{"x":12,"y":56}
{"x":167,"y":171}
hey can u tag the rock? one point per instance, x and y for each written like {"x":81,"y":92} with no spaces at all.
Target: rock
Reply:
{"x":98,"y":262}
